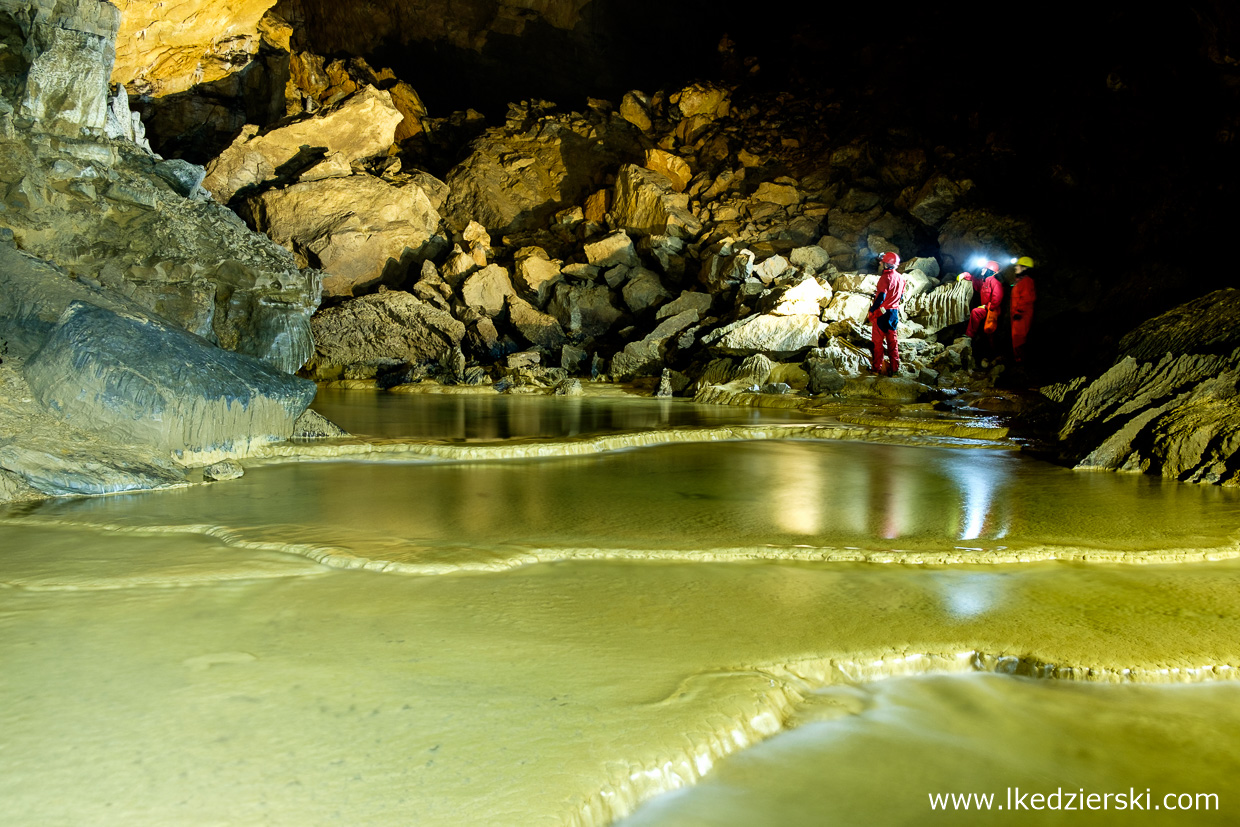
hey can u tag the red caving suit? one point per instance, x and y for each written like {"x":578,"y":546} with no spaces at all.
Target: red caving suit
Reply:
{"x":884,"y":316}
{"x":1024,"y":294}
{"x":985,"y":317}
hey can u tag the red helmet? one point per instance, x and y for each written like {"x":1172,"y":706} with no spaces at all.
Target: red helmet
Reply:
{"x":889,"y":259}
{"x":993,"y":266}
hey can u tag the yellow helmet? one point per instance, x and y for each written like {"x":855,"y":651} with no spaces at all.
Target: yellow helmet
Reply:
{"x":1025,"y":261}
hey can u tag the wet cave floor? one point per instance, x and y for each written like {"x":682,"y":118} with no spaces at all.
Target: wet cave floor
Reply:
{"x":786,"y":631}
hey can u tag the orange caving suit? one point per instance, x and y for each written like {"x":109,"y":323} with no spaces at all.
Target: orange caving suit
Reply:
{"x":1024,"y":294}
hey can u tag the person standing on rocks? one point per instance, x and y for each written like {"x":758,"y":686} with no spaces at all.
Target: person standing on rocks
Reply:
{"x":1024,"y":294}
{"x":984,"y":319}
{"x":885,"y":314}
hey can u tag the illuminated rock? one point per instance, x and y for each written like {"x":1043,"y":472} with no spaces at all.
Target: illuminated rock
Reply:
{"x":775,"y":335}
{"x":386,"y":328}
{"x":360,"y":231}
{"x":359,"y":127}
{"x":141,"y":381}
{"x":646,"y":203}
{"x":66,"y":60}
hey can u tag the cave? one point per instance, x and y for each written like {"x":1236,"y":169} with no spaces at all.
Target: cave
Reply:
{"x":585,"y":412}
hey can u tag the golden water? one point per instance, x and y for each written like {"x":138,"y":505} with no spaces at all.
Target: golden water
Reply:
{"x":556,"y":640}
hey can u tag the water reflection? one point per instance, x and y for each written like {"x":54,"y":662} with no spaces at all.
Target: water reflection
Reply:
{"x":493,"y":416}
{"x":691,"y":497}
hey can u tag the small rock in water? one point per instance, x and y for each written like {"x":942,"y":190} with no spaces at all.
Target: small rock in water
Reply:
{"x":569,"y":387}
{"x":777,"y":387}
{"x":220,"y":471}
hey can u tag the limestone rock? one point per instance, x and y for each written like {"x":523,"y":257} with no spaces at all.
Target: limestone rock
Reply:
{"x":846,"y":306}
{"x":166,"y":48}
{"x":672,"y":167}
{"x":583,"y":310}
{"x":519,"y":175}
{"x":313,"y":425}
{"x":118,"y":224}
{"x":812,"y":259}
{"x":1171,"y":403}
{"x":539,"y":328}
{"x":359,"y":127}
{"x":644,"y":290}
{"x":536,"y":274}
{"x":60,"y":470}
{"x":780,"y":336}
{"x":777,"y":194}
{"x":616,"y":248}
{"x":386,"y":328}
{"x":223,"y":471}
{"x":938,"y":198}
{"x":634,"y":109}
{"x":69,"y":49}
{"x":360,"y":231}
{"x":946,"y":305}
{"x":645,"y":203}
{"x":646,"y":357}
{"x":688,"y":300}
{"x":142,"y":381}
{"x":702,"y":99}
{"x":487,"y":289}
{"x":807,"y":296}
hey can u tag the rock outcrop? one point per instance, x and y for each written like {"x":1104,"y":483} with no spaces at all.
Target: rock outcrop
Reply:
{"x":359,"y":127}
{"x":141,"y":381}
{"x":381,"y":331}
{"x":1170,"y":404}
{"x":359,"y":230}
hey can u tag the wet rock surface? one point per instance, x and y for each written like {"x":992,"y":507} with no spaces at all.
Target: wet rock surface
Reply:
{"x":1170,"y":404}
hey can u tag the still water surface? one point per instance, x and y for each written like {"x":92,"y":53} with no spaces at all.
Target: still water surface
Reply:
{"x":551,"y":641}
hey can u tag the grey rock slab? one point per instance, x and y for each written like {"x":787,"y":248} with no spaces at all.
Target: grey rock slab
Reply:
{"x":145,"y":382}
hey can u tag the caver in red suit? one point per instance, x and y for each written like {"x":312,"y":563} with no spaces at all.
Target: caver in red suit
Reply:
{"x":985,"y":317}
{"x":1024,"y":294}
{"x":885,"y":314}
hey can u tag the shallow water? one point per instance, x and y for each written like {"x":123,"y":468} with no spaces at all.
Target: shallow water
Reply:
{"x":552,"y":641}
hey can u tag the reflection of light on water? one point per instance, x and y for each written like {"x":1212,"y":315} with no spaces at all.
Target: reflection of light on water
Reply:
{"x":968,"y":594}
{"x":797,"y":493}
{"x":977,"y":478}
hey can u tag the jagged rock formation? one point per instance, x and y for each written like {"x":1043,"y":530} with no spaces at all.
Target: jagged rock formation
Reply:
{"x":1170,"y":404}
{"x":151,"y":321}
{"x":116,"y":216}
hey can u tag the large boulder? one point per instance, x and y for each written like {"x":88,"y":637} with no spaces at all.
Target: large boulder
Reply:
{"x":537,"y":274}
{"x":776,"y":336}
{"x":383,"y":329}
{"x":67,"y":53}
{"x":538,"y":328}
{"x":517,"y":176}
{"x":938,"y":198}
{"x":646,"y":203}
{"x":583,"y":310}
{"x":487,"y":289}
{"x":142,"y":381}
{"x":358,"y":127}
{"x":112,"y":221}
{"x":1170,"y":404}
{"x":360,"y":231}
{"x":646,"y":357}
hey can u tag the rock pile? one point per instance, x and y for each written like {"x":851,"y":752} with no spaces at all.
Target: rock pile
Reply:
{"x":663,"y":233}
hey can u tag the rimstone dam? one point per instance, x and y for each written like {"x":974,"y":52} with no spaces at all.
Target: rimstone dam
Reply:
{"x":584,"y":412}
